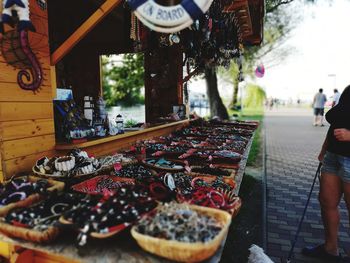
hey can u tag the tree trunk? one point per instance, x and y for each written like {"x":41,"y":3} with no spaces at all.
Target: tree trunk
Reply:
{"x":235,"y":92}
{"x":217,"y":108}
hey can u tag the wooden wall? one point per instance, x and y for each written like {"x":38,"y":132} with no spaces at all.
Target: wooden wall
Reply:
{"x":26,"y":119}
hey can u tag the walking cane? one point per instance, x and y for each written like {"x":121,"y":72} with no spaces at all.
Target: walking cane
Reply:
{"x":317,"y":175}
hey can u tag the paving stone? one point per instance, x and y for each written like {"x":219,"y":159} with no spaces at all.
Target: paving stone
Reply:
{"x":292,"y":146}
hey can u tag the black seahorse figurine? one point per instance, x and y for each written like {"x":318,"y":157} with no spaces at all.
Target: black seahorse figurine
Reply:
{"x":35,"y":70}
{"x":17,"y":52}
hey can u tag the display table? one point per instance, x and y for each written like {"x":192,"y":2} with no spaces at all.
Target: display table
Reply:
{"x":121,"y":248}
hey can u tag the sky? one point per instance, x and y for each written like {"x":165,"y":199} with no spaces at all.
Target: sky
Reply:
{"x":322,"y":53}
{"x":320,"y":57}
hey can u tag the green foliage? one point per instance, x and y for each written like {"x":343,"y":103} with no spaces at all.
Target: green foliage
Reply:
{"x":122,"y":81}
{"x":256,"y":114}
{"x":130,"y":123}
{"x":254,"y":96}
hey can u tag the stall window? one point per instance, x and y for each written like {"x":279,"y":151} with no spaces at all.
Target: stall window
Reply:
{"x":123,"y":87}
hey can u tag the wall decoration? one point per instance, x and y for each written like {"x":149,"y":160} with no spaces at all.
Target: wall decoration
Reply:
{"x":14,"y":44}
{"x":169,"y":19}
{"x":16,"y":51}
{"x":21,"y":7}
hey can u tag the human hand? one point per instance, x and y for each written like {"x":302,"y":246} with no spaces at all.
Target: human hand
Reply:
{"x":321,"y":156}
{"x":342,"y":135}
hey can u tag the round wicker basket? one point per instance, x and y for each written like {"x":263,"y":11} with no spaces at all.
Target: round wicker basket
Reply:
{"x":186,"y":252}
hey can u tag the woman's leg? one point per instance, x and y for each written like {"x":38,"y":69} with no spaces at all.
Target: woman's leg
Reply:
{"x":330,"y":195}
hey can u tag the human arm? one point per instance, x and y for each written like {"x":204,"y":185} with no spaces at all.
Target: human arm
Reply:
{"x":342,"y":135}
{"x":323,"y":150}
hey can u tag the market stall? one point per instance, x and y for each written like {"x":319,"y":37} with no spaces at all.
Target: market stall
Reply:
{"x":50,"y":135}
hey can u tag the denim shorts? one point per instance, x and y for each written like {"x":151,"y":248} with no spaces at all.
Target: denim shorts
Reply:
{"x":318,"y":111}
{"x":338,"y":165}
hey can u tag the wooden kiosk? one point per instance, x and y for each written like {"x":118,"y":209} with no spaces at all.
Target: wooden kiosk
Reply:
{"x":70,"y":37}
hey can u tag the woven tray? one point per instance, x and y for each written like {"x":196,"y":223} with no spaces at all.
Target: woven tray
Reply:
{"x":34,"y":198}
{"x":108,"y":168}
{"x":117,"y":229}
{"x":186,"y":252}
{"x":195,"y":174}
{"x":89,"y":186}
{"x":51,"y":176}
{"x":29,"y":234}
{"x":210,"y":179}
{"x":158,"y":168}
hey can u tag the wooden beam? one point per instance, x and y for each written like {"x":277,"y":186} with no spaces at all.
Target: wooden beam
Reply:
{"x":83,"y":30}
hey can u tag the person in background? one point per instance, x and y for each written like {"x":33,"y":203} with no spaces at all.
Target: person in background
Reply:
{"x":318,"y":105}
{"x":336,"y":97}
{"x":335,"y":179}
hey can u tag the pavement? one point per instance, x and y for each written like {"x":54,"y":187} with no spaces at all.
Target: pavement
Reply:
{"x":292,"y":147}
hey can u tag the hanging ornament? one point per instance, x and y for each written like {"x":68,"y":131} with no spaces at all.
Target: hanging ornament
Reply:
{"x":133,"y":27}
{"x":21,"y":7}
{"x":169,"y":19}
{"x":260,"y":70}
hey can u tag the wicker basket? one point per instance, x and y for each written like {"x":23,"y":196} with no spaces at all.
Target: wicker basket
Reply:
{"x":29,"y":234}
{"x":80,"y":176}
{"x":159,"y":168}
{"x":186,"y":252}
{"x":195,"y":174}
{"x":105,"y":169}
{"x":89,"y":186}
{"x":34,"y":198}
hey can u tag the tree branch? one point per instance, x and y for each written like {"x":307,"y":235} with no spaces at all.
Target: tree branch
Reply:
{"x":274,"y":7}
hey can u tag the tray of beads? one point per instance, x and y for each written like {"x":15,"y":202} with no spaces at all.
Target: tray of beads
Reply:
{"x":103,"y":184}
{"x":213,"y":198}
{"x":210,"y":170}
{"x":135,"y":171}
{"x":37,"y":222}
{"x":77,"y":164}
{"x":162,"y":164}
{"x":109,"y":162}
{"x":209,"y":191}
{"x":181,"y":232}
{"x":196,"y":157}
{"x":24,"y":191}
{"x":105,"y":216}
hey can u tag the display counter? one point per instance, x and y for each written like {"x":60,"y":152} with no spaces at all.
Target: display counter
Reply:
{"x":121,"y":248}
{"x":111,"y":144}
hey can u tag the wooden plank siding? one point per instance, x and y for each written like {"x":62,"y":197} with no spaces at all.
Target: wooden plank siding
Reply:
{"x":11,"y":92}
{"x":23,"y":163}
{"x":13,"y":130}
{"x":22,"y":147}
{"x":26,"y":117}
{"x":9,"y":75}
{"x":16,"y":111}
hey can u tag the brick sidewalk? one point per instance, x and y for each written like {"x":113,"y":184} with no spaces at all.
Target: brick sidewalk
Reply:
{"x":292,"y":147}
